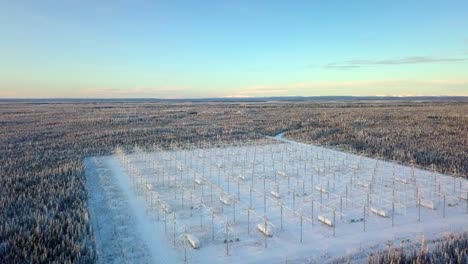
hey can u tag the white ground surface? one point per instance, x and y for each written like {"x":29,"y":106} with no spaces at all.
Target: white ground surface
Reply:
{"x":128,"y":195}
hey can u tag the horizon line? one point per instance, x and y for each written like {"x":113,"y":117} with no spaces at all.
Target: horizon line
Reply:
{"x":233,"y":98}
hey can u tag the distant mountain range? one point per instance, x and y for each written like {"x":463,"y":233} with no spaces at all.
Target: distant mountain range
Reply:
{"x":247,"y":99}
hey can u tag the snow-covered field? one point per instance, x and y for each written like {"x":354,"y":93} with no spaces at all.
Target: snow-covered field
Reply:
{"x":318,"y":204}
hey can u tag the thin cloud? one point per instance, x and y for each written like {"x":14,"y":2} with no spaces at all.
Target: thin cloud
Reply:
{"x":340,"y":66}
{"x":352,"y":64}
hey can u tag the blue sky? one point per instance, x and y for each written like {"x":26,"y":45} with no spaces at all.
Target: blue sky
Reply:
{"x":175,"y":49}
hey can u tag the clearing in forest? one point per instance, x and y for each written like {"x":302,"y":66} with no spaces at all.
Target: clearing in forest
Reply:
{"x":273,"y":201}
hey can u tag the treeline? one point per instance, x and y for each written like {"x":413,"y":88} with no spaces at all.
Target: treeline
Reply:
{"x":452,"y":249}
{"x":428,"y":135}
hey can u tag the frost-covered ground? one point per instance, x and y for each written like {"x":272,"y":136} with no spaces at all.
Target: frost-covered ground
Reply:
{"x":143,"y":206}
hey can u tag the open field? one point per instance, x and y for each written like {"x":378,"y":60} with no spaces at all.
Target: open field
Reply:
{"x":43,"y":148}
{"x":316,"y":204}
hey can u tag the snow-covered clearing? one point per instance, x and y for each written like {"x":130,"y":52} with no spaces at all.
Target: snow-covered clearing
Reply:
{"x":314,"y":204}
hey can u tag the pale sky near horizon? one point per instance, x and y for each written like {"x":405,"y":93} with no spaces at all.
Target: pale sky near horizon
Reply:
{"x":180,"y":49}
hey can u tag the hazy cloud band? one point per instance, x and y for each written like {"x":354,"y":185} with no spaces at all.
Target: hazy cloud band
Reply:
{"x":396,"y":61}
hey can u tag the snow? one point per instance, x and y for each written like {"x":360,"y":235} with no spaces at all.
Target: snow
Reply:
{"x":124,"y":232}
{"x":144,"y":206}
